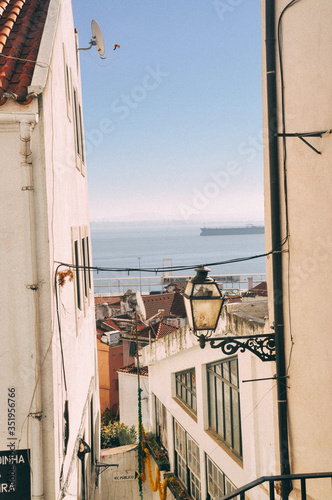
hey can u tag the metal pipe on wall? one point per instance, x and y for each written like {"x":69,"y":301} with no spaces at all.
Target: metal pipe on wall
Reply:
{"x":35,"y":424}
{"x":276,"y":243}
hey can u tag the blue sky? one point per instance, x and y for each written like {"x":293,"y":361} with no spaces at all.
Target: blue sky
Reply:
{"x":173,"y":120}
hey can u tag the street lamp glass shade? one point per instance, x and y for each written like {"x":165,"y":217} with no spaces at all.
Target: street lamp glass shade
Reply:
{"x":203,"y":301}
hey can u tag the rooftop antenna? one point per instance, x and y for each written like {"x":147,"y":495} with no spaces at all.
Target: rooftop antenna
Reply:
{"x":97,"y":40}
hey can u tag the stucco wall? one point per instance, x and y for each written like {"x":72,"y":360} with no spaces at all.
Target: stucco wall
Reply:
{"x":36,"y":228}
{"x":126,"y":459}
{"x":307,"y":266}
{"x":128,"y":399}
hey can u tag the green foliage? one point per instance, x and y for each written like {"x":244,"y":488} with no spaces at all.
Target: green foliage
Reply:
{"x":107,"y":416}
{"x":158,"y":451}
{"x":116,"y":434}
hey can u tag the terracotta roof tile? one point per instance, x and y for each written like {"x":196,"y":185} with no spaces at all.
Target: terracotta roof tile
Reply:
{"x":164,"y":329}
{"x":107,"y":300}
{"x":21,"y":28}
{"x":172,"y":303}
{"x":260,"y":289}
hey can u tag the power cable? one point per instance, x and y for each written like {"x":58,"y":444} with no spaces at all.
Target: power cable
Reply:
{"x":284,"y":143}
{"x":157,"y":270}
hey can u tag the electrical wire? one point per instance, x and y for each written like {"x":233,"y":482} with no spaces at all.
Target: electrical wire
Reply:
{"x":104,"y":65}
{"x":157,"y":270}
{"x":37,"y":63}
{"x":284,"y":143}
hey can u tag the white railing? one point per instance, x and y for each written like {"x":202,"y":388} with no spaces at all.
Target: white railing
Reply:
{"x":155,"y":284}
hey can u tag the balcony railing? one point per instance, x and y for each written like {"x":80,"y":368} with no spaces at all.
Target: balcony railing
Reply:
{"x":273,"y":479}
{"x":147,"y":284}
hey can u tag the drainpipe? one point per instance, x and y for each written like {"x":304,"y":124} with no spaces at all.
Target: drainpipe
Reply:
{"x":276,"y":244}
{"x":27,"y":121}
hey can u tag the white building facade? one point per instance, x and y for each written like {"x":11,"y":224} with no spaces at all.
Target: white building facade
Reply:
{"x":207,"y":409}
{"x":50,"y":380}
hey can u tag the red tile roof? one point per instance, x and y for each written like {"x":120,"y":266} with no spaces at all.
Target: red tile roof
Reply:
{"x":260,"y":289}
{"x":21,"y":27}
{"x":172,"y":303}
{"x":111,"y":301}
{"x":144,"y":370}
{"x":164,"y":329}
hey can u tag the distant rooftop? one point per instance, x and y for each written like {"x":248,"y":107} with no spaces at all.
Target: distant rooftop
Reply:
{"x":132,"y":369}
{"x":255,"y":309}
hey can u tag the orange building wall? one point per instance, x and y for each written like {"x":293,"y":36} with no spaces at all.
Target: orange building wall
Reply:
{"x":104,"y":375}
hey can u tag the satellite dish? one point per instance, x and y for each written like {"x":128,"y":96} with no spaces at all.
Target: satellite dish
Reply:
{"x":97,"y":38}
{"x":140,"y":306}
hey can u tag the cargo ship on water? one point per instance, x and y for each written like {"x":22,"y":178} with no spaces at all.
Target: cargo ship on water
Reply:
{"x":226,"y":231}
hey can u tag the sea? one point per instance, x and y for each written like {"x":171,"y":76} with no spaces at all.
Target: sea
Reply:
{"x":160,"y":248}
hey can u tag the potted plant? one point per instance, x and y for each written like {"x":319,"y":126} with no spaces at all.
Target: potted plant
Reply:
{"x":158,"y":453}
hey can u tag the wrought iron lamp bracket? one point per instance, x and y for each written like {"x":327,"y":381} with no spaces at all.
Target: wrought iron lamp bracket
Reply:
{"x":262,"y":346}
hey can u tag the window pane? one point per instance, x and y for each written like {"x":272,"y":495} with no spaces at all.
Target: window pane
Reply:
{"x":227,"y":409}
{"x":193,"y":382}
{"x":212,"y":406}
{"x":84,"y":268}
{"x":220,"y":408}
{"x":236,"y":423}
{"x":88,"y":261}
{"x":182,"y":470}
{"x":225,"y":370}
{"x":194,"y":404}
{"x":77,"y":270}
{"x":234,"y":374}
{"x":186,"y":388}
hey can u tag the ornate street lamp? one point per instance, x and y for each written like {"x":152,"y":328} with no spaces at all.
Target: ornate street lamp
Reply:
{"x":203,"y":301}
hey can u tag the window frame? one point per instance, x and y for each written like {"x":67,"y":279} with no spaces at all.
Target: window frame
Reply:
{"x":227,"y":486}
{"x":187,"y":469}
{"x":68,"y":85}
{"x":161,"y":422}
{"x":224,"y":412}
{"x":78,"y":132}
{"x":76,"y":259}
{"x":183,"y":387}
{"x":82,"y":272}
{"x":86,"y":271}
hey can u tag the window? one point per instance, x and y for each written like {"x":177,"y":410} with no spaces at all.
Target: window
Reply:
{"x":224,"y":403}
{"x":92,"y":435}
{"x":161,"y":423}
{"x":81,"y":265}
{"x":67,"y":74}
{"x":187,"y":461}
{"x":78,"y":275}
{"x":79,"y":142}
{"x":186,"y":388}
{"x":218,"y":483}
{"x":88,"y":261}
